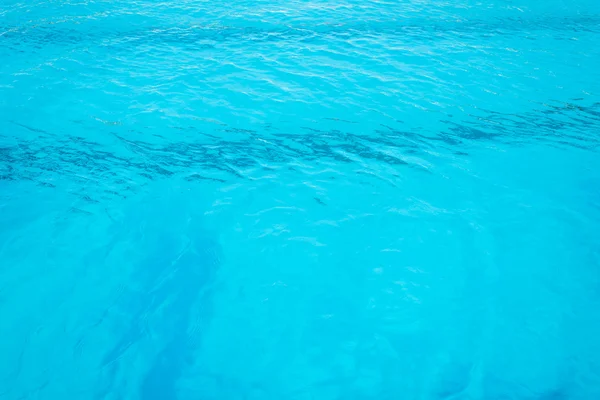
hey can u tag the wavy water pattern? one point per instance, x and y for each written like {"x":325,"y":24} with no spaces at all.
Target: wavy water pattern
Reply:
{"x":309,"y":199}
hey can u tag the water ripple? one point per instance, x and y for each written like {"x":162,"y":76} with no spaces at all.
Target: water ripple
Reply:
{"x":316,"y":199}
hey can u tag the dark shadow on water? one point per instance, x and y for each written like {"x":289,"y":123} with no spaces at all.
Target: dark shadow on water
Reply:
{"x":167,"y":300}
{"x":189,"y":287}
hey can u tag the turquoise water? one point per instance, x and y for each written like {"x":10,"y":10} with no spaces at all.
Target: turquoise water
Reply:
{"x":307,"y":200}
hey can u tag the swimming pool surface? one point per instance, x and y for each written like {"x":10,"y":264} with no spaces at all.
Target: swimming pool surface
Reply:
{"x":305,"y":200}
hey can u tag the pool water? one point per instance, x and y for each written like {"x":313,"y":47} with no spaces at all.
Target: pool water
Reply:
{"x":306,"y":200}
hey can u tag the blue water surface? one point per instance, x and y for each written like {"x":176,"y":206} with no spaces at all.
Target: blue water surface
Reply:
{"x":303,"y":199}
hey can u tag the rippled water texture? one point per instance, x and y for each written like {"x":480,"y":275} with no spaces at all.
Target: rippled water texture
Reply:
{"x":306,"y":200}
